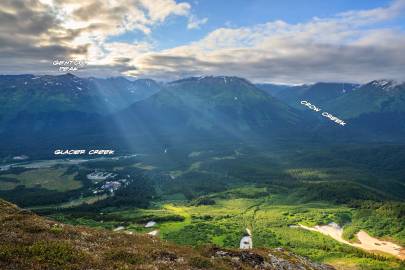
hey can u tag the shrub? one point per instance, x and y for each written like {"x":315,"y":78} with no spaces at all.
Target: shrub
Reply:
{"x":200,"y":262}
{"x":125,"y":256}
{"x":54,"y":253}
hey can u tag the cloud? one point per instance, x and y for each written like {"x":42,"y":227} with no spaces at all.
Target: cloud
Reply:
{"x":34,"y":32}
{"x":374,"y":15}
{"x":350,"y":46}
{"x":195,"y":23}
{"x":113,"y":17}
{"x":345,"y":47}
{"x":160,"y":10}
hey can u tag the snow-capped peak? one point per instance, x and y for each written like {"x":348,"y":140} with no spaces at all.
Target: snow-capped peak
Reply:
{"x":385,"y":84}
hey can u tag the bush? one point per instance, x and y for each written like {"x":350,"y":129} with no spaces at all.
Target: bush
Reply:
{"x":204,"y":201}
{"x":54,"y":253}
{"x":125,"y":256}
{"x":200,"y":262}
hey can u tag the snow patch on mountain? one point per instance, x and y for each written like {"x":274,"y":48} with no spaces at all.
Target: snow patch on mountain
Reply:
{"x":384,"y":84}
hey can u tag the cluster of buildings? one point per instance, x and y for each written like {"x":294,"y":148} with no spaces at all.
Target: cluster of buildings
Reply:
{"x":22,"y":157}
{"x":109,"y":186}
{"x":5,"y":168}
{"x":100,"y":176}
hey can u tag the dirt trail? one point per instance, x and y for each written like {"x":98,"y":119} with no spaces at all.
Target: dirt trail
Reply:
{"x":366,"y":241}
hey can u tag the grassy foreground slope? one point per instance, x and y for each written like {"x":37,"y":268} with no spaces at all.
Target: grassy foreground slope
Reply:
{"x":220,"y":219}
{"x":32,"y":242}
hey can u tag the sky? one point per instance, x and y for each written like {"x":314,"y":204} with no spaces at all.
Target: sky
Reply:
{"x":289,"y":41}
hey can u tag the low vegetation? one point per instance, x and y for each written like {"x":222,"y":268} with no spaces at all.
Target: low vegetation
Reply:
{"x":31,"y":242}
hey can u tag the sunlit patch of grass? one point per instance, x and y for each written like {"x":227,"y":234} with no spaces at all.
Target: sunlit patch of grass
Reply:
{"x":48,"y":178}
{"x":144,"y":166}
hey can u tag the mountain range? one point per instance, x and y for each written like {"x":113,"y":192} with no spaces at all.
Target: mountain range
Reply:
{"x":375,"y":110}
{"x":39,"y":94}
{"x":224,"y":107}
{"x":348,"y":100}
{"x":67,"y":110}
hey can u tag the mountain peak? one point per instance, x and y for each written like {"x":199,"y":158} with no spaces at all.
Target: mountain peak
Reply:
{"x":385,"y":84}
{"x":213,"y":79}
{"x":67,"y":75}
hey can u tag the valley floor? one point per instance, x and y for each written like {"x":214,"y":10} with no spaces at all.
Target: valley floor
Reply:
{"x":211,"y":197}
{"x":271,"y":222}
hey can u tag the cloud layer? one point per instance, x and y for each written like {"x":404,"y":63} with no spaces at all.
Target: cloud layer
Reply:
{"x":351,"y":46}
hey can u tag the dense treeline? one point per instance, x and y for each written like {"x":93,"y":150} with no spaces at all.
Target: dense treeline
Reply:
{"x":23,"y":196}
{"x":195,"y":184}
{"x":138,"y":193}
{"x":380,"y":219}
{"x":338,"y":192}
